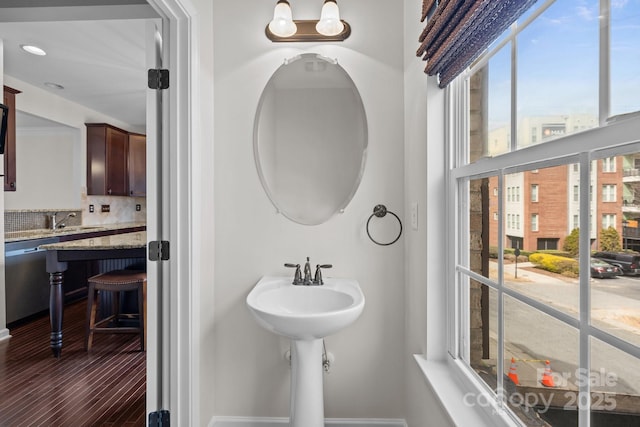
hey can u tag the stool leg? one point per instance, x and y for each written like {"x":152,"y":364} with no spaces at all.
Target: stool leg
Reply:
{"x":91,"y":316}
{"x":115,"y":307}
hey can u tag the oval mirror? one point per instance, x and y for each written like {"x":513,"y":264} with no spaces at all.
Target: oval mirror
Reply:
{"x":310,"y":139}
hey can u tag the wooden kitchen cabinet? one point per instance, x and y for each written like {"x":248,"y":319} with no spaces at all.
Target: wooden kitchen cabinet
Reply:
{"x":107,"y":160}
{"x":137,"y":165}
{"x":9,"y":99}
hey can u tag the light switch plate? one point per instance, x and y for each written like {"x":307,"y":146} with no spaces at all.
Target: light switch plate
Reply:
{"x":414,"y":215}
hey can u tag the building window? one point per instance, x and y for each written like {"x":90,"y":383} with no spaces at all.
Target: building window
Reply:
{"x":534,"y":192}
{"x":609,"y":193}
{"x":609,"y":164}
{"x":608,"y":220}
{"x":588,"y":336}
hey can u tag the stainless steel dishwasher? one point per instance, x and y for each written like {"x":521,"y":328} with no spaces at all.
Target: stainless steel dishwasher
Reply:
{"x":26,"y":278}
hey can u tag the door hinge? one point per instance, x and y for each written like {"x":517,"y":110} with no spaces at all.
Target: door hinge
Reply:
{"x":158,"y":250}
{"x":158,"y":78}
{"x":159,"y":418}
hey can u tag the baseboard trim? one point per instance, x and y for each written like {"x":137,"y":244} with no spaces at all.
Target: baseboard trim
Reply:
{"x":4,"y":334}
{"x":281,"y":422}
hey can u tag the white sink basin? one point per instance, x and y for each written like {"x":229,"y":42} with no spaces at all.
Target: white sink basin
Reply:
{"x":305,"y":312}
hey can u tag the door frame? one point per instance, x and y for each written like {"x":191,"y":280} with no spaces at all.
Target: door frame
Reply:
{"x":172,"y":373}
{"x":177,"y":388}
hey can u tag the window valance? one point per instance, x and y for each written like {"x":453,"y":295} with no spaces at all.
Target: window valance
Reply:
{"x":458,"y":31}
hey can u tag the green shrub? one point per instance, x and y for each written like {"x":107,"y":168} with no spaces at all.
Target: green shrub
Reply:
{"x":555,"y":264}
{"x":493,"y":252}
{"x":555,"y":252}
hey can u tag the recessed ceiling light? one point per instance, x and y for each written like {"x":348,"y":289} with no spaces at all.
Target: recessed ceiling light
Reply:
{"x":54,"y":85}
{"x":34,"y":50}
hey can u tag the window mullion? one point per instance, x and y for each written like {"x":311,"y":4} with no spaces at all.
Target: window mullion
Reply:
{"x":604,"y":89}
{"x":584,"y":401}
{"x":500,"y":326}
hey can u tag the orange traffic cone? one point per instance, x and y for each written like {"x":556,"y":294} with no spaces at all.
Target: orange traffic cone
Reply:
{"x":547,"y":378}
{"x":512,"y":372}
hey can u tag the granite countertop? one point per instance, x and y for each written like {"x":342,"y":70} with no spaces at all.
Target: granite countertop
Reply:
{"x":133,"y":240}
{"x":14,"y":236}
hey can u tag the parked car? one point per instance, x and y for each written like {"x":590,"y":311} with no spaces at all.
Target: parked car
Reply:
{"x":629,"y":263}
{"x":602,"y":269}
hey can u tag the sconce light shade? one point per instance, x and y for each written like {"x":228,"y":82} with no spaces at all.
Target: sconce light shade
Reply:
{"x":330,"y":23}
{"x":282,"y":24}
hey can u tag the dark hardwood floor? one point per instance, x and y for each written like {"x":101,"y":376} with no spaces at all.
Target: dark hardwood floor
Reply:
{"x":105,"y":387}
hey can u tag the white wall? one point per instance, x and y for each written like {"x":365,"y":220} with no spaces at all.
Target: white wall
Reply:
{"x":47,"y":169}
{"x":251,"y":239}
{"x":424,"y":186}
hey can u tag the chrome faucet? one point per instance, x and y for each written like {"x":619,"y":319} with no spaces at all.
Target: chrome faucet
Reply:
{"x":59,"y":224}
{"x":307,"y":280}
{"x":307,"y":273}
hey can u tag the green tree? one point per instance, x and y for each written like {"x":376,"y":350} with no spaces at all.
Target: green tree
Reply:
{"x":610,"y":240}
{"x":572,"y":242}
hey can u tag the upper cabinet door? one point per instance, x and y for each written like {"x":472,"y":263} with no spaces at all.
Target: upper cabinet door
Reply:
{"x":137,"y":165}
{"x":107,"y":158}
{"x":9,"y":99}
{"x":117,"y":154}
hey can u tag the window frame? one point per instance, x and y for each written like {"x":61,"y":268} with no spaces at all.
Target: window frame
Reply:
{"x":581,"y":148}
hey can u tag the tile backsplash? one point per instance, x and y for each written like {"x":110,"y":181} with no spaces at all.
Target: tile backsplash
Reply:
{"x":121,"y":210}
{"x":36,"y":219}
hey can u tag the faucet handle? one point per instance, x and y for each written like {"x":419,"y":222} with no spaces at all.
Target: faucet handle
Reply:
{"x":297,"y":277}
{"x":318,"y":276}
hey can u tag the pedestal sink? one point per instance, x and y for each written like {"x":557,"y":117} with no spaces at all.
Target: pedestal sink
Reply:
{"x":306,"y":314}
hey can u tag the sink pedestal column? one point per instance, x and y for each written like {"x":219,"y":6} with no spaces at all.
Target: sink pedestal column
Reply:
{"x":307,"y":404}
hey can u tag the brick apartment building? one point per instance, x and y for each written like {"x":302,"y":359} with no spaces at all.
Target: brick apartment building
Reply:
{"x":541,"y":207}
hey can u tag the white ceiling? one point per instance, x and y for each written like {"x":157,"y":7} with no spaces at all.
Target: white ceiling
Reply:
{"x":100,"y":63}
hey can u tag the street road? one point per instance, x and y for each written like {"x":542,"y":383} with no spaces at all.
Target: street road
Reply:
{"x":533,"y":337}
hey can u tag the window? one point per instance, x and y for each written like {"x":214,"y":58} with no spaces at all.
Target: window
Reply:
{"x":609,"y":193}
{"x":609,"y":164}
{"x":608,"y":220}
{"x":534,"y":192}
{"x":573,"y":330}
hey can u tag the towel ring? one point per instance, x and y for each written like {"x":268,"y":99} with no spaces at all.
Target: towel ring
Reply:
{"x":380,"y":211}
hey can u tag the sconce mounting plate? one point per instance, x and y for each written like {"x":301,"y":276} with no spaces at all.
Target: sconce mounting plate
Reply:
{"x":307,"y":33}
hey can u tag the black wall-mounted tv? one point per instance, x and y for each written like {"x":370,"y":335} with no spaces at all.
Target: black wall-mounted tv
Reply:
{"x":3,"y":126}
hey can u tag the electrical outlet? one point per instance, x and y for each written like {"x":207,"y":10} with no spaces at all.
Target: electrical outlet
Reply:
{"x":106,"y":208}
{"x":91,"y":208}
{"x":138,"y":207}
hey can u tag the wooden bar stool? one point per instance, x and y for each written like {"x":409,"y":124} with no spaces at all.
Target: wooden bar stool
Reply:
{"x":115,"y":282}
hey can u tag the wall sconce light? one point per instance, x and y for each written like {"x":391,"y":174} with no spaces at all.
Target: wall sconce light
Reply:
{"x":329,"y":28}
